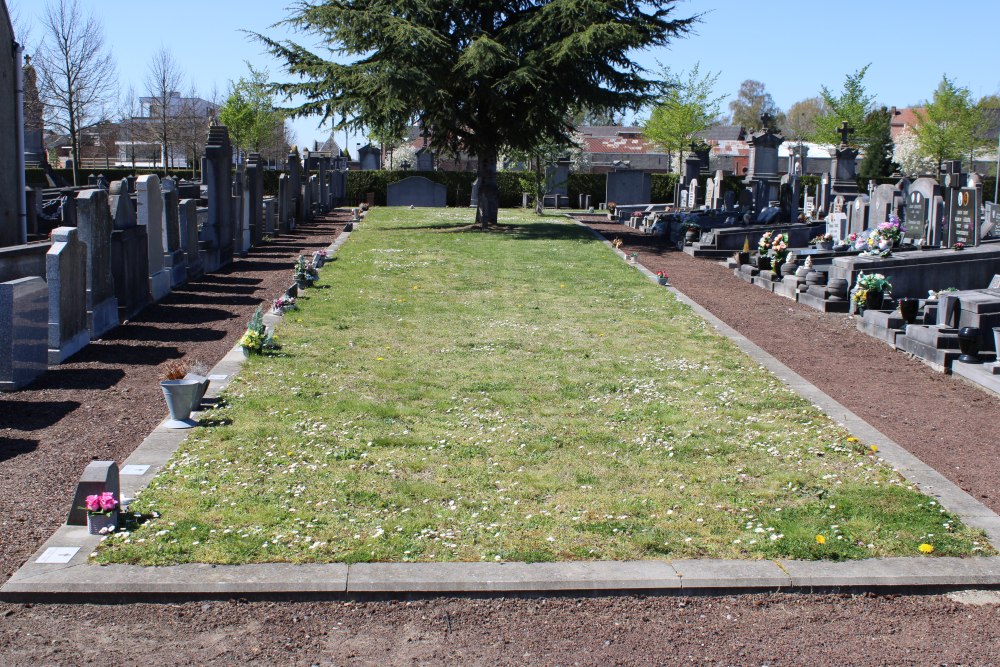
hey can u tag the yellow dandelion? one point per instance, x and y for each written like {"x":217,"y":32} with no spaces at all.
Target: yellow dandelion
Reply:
{"x":562,"y":286}
{"x":415,"y":287}
{"x":380,"y":359}
{"x":926,"y":548}
{"x":874,"y":448}
{"x":852,"y":439}
{"x":820,"y":539}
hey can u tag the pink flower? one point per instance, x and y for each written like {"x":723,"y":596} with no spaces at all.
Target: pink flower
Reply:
{"x":107,"y":501}
{"x":93,"y":503}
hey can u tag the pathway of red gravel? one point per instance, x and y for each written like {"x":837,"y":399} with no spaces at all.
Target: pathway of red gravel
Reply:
{"x":103,"y":404}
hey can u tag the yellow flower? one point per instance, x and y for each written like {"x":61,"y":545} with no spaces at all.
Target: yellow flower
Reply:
{"x":820,"y":539}
{"x":925,"y":548}
{"x":874,"y":448}
{"x":380,"y":359}
{"x":852,"y":439}
{"x":562,"y":286}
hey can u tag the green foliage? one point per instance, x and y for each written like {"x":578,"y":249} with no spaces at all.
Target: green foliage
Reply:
{"x":853,"y":105}
{"x":487,"y":77}
{"x":947,"y":128}
{"x":800,"y":120}
{"x":688,"y":106}
{"x":878,"y":149}
{"x":249,"y":111}
{"x":753,"y":101}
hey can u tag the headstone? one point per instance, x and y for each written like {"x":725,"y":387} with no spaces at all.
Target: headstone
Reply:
{"x":98,"y":477}
{"x":129,"y":254}
{"x":307,"y":198}
{"x":474,"y":199}
{"x":762,"y":172}
{"x":338,"y":188}
{"x":149,"y":210}
{"x":915,"y":215}
{"x":692,"y":202}
{"x":370,"y":157}
{"x":810,"y":207}
{"x":883,"y":204}
{"x":23,"y":342}
{"x":963,"y":224}
{"x":839,"y":204}
{"x":270,"y":214}
{"x":241,"y":230}
{"x":254,"y":201}
{"x":710,"y":193}
{"x":425,"y":159}
{"x":729,"y":200}
{"x":859,"y":214}
{"x":10,"y":130}
{"x":66,"y":275}
{"x":843,"y":165}
{"x":294,"y":191}
{"x":122,"y":212}
{"x":323,"y":196}
{"x":95,"y":227}
{"x":824,"y":193}
{"x":187,"y":212}
{"x":417,"y":191}
{"x":173,"y":253}
{"x":217,"y":232}
{"x":627,"y":187}
{"x":557,"y":179}
{"x":717,"y":182}
{"x":746,"y":199}
{"x":837,"y":226}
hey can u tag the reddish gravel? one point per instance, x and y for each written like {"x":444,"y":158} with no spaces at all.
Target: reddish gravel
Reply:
{"x":106,"y":401}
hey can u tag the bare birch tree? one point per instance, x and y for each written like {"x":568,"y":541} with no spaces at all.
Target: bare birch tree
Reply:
{"x":77,"y":75}
{"x":163,"y":79}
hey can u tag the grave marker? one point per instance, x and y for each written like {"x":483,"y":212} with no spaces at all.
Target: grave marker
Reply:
{"x":95,"y":227}
{"x":66,"y":275}
{"x":150,"y":214}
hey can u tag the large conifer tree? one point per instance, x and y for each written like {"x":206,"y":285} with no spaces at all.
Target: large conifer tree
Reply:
{"x":485,"y":75}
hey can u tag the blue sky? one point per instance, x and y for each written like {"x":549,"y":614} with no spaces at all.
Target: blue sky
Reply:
{"x":792,"y":46}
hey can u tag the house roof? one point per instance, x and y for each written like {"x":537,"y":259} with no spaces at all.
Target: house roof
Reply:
{"x":724,"y":133}
{"x":619,"y":144}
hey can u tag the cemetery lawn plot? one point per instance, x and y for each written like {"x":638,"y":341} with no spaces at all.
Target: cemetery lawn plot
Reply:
{"x":520,"y":395}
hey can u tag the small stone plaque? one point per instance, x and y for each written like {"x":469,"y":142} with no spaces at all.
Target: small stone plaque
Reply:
{"x":217,"y":378}
{"x":133,"y":470}
{"x":58,"y":555}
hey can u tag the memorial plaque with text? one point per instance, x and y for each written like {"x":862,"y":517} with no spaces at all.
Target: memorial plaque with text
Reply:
{"x":963,"y":224}
{"x":915,"y":215}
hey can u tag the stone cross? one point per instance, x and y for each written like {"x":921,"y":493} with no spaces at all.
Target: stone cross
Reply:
{"x":844,"y":131}
{"x":766,"y":120}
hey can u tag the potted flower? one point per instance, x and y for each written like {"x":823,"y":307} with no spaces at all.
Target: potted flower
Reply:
{"x":692,"y":231}
{"x":778,"y":252}
{"x":823,"y":241}
{"x":319,"y":258}
{"x":662,"y":278}
{"x":870,"y":290}
{"x":257,"y":338}
{"x":959,"y":245}
{"x":301,"y":273}
{"x":102,"y":513}
{"x":181,"y":394}
{"x":283,"y":304}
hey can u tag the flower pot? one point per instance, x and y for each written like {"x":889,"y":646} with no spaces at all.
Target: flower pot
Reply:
{"x":825,"y":245}
{"x":204,"y":382}
{"x":873,"y":300}
{"x":691,"y":235}
{"x":180,"y":395}
{"x":968,"y":343}
{"x":763,"y":263}
{"x":246,"y":351}
{"x":302,"y":284}
{"x":662,"y":280}
{"x":97,"y":522}
{"x":908,"y":310}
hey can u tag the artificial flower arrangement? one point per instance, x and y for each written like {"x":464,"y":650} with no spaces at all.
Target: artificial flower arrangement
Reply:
{"x":101,"y":513}
{"x":257,"y":339}
{"x":305,"y":271}
{"x":880,"y":241}
{"x":866,"y":284}
{"x":282,"y":304}
{"x":662,"y":278}
{"x":617,"y":243}
{"x":774,"y":246}
{"x":822,"y":238}
{"x":959,"y":245}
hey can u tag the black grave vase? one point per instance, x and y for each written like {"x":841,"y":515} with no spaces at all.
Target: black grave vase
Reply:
{"x":968,"y":343}
{"x":908,"y":310}
{"x":873,"y":300}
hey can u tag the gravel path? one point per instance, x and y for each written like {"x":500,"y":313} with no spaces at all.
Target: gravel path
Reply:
{"x":105,"y":402}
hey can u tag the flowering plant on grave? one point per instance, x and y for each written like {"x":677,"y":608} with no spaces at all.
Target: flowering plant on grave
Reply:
{"x":301,"y":270}
{"x":100,"y":504}
{"x":933,"y":294}
{"x":764,"y":244}
{"x":870,"y":283}
{"x":779,"y":249}
{"x":321,"y":252}
{"x":959,"y":245}
{"x":822,"y":238}
{"x":257,"y":338}
{"x":662,"y":274}
{"x":283,"y":303}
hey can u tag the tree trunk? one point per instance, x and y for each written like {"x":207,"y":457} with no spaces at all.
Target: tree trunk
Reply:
{"x":489,"y":194}
{"x":539,"y":186}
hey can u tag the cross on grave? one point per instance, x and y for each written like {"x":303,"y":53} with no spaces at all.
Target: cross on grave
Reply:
{"x":844,"y":131}
{"x":766,"y":120}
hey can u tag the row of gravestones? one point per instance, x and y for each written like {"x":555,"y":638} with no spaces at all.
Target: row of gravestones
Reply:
{"x":931,"y":214}
{"x":119,"y":258}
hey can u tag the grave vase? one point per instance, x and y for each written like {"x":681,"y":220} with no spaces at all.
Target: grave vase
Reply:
{"x":873,"y":300}
{"x":98,"y":522}
{"x":180,"y":395}
{"x":908,"y":310}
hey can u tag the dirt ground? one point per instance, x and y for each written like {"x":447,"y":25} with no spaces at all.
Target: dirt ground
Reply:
{"x":103,"y":403}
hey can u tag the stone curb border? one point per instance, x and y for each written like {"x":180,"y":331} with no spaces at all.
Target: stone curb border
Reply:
{"x":79,"y":581}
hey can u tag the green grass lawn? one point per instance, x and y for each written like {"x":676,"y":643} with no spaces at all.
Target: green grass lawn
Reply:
{"x":450,"y":395}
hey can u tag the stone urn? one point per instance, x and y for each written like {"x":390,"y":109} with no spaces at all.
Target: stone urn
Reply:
{"x":968,"y":343}
{"x":908,"y":310}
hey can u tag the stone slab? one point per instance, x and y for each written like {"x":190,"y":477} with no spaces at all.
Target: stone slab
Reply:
{"x":510,"y":577}
{"x":823,"y":305}
{"x":894,"y":572}
{"x":981,"y":374}
{"x":711,"y":573}
{"x":23,"y":343}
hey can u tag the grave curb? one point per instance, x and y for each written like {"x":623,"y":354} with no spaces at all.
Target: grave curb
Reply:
{"x":79,"y":581}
